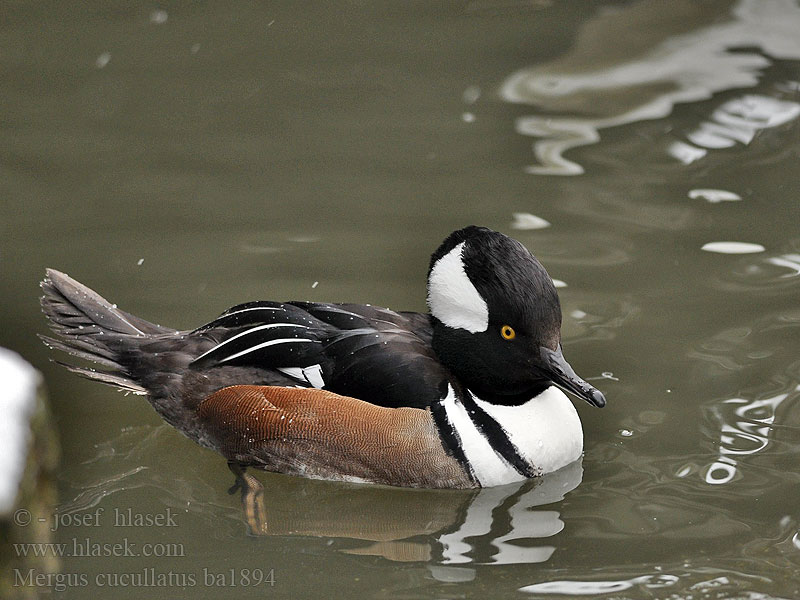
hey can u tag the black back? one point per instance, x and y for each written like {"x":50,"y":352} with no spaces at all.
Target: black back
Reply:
{"x":374,"y":354}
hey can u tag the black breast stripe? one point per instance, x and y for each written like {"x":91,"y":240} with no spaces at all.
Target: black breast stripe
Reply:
{"x":450,"y":439}
{"x":497,"y":436}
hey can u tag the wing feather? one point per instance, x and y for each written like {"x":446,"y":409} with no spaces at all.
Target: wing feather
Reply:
{"x":371,"y":353}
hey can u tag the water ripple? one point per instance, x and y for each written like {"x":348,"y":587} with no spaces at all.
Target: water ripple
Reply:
{"x":683,"y":52}
{"x":591,"y":588}
{"x":778,"y":270}
{"x":682,"y":582}
{"x":736,"y":121}
{"x":595,"y":317}
{"x":745,"y":429}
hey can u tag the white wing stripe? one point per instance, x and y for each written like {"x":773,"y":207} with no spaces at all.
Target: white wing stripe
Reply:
{"x":265,"y":344}
{"x":249,"y":331}
{"x":244,"y":310}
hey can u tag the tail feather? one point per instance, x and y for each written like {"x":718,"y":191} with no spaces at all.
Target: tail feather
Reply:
{"x":81,"y":349}
{"x":93,"y":329}
{"x":120,"y":381}
{"x":75,"y":309}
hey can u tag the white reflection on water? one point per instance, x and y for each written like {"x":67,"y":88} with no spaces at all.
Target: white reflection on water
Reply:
{"x":591,"y":588}
{"x":491,"y":506}
{"x":733,"y":247}
{"x":102,"y":60}
{"x":528,"y":221}
{"x":745,"y":430}
{"x":775,"y":272}
{"x":735,"y":121}
{"x":685,"y":582}
{"x":159,"y":17}
{"x":714,"y":196}
{"x":682,"y":52}
{"x":790,"y":261}
{"x":471,"y":94}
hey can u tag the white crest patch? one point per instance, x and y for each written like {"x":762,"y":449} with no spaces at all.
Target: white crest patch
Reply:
{"x":452,"y":297}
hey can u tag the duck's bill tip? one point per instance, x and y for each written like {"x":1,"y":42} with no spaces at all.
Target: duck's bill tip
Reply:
{"x":583,"y":390}
{"x":596,"y":398}
{"x":562,"y":374}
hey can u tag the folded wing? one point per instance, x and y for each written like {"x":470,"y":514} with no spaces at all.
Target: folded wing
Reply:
{"x":370,"y":353}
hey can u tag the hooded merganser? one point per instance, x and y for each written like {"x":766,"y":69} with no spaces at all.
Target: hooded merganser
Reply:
{"x":466,"y":396}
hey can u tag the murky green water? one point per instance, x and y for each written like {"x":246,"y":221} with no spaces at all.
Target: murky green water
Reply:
{"x":184,"y":157}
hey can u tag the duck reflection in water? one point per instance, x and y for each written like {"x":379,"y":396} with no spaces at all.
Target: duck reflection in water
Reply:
{"x":446,"y":527}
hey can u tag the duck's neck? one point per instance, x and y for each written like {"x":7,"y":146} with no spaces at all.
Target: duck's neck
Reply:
{"x":512,"y":399}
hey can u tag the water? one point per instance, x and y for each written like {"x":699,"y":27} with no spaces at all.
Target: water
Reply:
{"x":183,"y":158}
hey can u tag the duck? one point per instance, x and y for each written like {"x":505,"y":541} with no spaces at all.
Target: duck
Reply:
{"x":467,"y":395}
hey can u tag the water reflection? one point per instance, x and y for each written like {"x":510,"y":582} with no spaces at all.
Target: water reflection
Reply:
{"x":739,"y":350}
{"x":123,"y":463}
{"x":733,"y":247}
{"x":789,"y":261}
{"x":494,"y":534}
{"x":745,"y":429}
{"x":449,"y":528}
{"x":737,"y":120}
{"x":778,"y":270}
{"x":714,"y":196}
{"x":528,"y":221}
{"x":681,"y":583}
{"x":444,"y":527}
{"x":742,"y":428}
{"x":591,"y":588}
{"x":681,"y":52}
{"x":595,"y":317}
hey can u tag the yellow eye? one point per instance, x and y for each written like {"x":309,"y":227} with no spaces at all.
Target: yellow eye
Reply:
{"x":508,"y":332}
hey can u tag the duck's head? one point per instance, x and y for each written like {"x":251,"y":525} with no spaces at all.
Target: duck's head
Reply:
{"x":497,"y":319}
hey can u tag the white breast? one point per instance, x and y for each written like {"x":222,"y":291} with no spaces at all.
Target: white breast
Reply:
{"x":545,"y":430}
{"x":487,"y":465}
